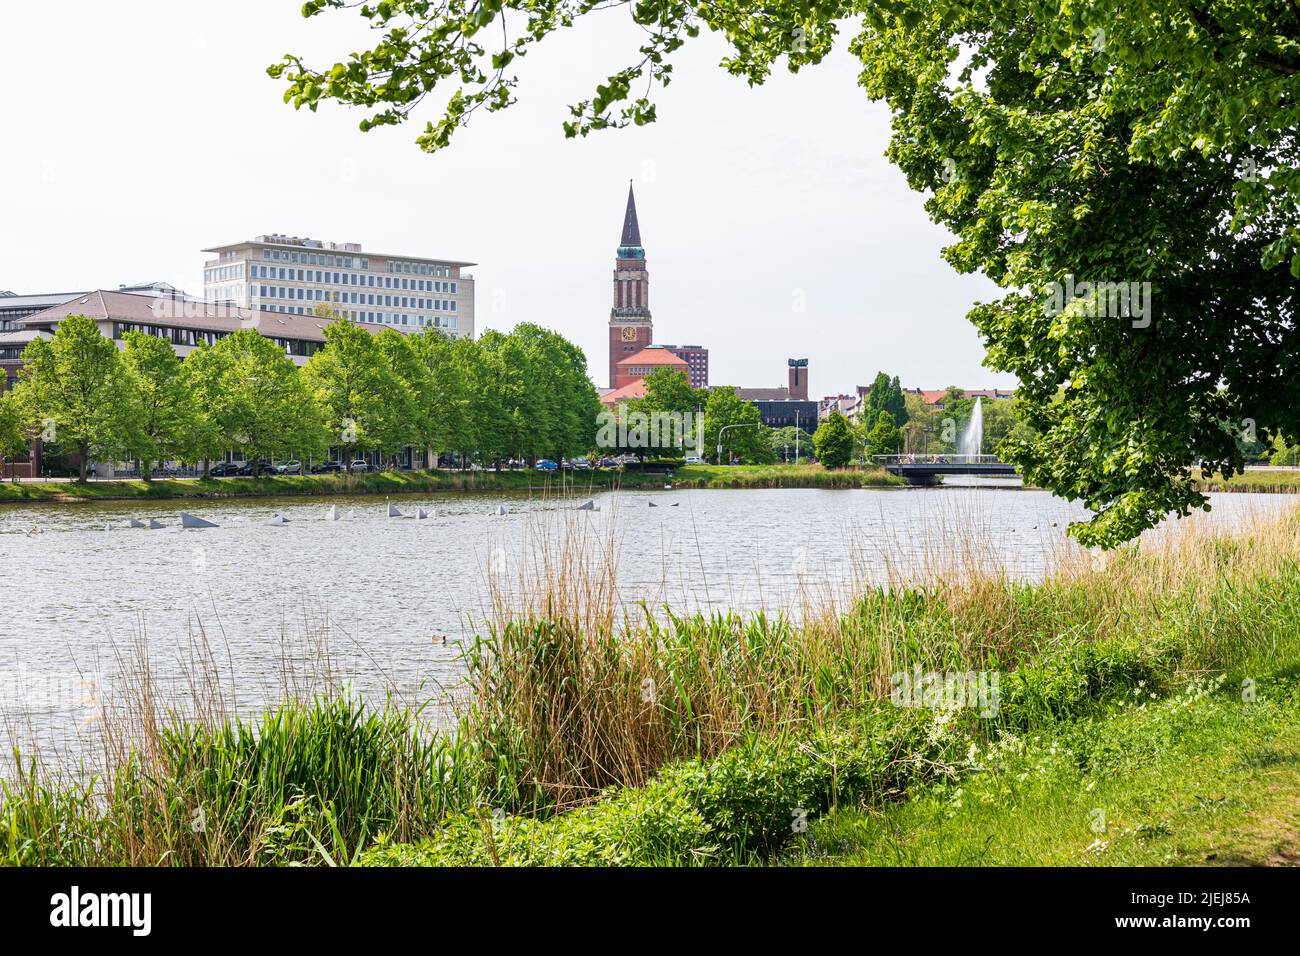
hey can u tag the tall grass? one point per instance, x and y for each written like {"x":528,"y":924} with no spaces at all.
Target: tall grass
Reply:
{"x":574,"y":695}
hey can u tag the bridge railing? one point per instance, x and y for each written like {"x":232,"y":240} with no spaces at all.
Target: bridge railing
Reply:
{"x":936,"y":459}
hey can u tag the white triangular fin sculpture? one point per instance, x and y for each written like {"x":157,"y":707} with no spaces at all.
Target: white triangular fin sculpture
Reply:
{"x":421,"y":513}
{"x":501,"y":510}
{"x":653,"y":505}
{"x":189,"y":521}
{"x":588,"y":505}
{"x":332,"y":514}
{"x":137,"y":523}
{"x":393,"y":512}
{"x":278,"y":521}
{"x":154,"y":525}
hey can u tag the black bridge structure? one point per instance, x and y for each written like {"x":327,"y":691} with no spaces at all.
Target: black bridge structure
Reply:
{"x":927,"y":469}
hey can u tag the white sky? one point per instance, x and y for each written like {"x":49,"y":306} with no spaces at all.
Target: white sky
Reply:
{"x":139,"y":132}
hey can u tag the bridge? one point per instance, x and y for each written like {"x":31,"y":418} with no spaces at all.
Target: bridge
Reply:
{"x":926,"y":469}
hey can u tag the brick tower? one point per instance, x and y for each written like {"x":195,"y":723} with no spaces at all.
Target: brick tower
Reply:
{"x":630,"y":326}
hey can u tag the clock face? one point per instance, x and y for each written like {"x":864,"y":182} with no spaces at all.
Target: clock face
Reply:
{"x":629,"y":334}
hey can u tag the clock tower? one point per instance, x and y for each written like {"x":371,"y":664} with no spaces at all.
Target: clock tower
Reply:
{"x":630,"y":326}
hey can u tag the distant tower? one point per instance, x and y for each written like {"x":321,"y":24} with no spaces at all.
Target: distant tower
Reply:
{"x":798,"y":378}
{"x":630,"y":327}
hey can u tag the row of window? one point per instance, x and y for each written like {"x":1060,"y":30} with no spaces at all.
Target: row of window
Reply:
{"x":266,"y":292}
{"x":352,"y":278}
{"x":313,"y":258}
{"x":376,"y":318}
{"x":223,"y":273}
{"x":346,"y":262}
{"x":418,"y":268}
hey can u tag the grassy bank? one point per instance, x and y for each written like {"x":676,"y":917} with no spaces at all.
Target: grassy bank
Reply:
{"x":595,"y":736}
{"x":396,"y":483}
{"x":1202,"y":777}
{"x":1262,"y":480}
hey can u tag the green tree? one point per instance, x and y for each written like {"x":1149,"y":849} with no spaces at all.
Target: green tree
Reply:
{"x":448,"y":425}
{"x":669,"y":393}
{"x":748,"y":441}
{"x":360,"y":397}
{"x":210,"y":433}
{"x":262,"y":402}
{"x":411,"y":401}
{"x":15,"y":439}
{"x":834,"y":441}
{"x":884,"y":437}
{"x":164,"y":412}
{"x":1116,"y":142}
{"x":785,"y":441}
{"x":886,"y":395}
{"x":76,"y":388}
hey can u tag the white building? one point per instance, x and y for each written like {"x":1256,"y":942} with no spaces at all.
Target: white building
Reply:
{"x":278,"y":273}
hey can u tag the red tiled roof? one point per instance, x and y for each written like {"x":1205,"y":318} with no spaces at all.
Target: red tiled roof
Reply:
{"x":106,"y":306}
{"x":654,"y":355}
{"x":628,"y":392}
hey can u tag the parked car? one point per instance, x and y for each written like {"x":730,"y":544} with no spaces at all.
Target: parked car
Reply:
{"x":694,"y":460}
{"x":261,"y":467}
{"x":225,"y":469}
{"x":360,"y":464}
{"x":608,"y":462}
{"x":328,"y":466}
{"x":289,"y":468}
{"x":545,"y":464}
{"x":581,"y":464}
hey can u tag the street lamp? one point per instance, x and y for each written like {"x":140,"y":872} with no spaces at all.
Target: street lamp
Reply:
{"x":722,"y":431}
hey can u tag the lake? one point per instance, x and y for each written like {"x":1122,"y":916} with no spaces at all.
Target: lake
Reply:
{"x":85,"y":592}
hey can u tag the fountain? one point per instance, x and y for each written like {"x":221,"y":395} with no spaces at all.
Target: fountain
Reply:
{"x":972,"y":439}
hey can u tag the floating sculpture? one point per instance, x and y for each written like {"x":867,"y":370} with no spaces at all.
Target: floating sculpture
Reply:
{"x":332,"y":514}
{"x":393,"y":512}
{"x":189,"y":521}
{"x":137,"y":523}
{"x":154,"y":525}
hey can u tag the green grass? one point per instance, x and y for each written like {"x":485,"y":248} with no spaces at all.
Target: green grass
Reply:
{"x":1256,"y":480}
{"x":1199,"y":778}
{"x":782,"y":476}
{"x":396,"y":483}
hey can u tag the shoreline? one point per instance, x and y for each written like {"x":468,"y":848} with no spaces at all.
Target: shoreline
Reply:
{"x":423,"y":482}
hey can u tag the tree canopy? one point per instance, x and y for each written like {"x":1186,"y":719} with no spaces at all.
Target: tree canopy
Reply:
{"x":886,"y":395}
{"x":1124,"y":171}
{"x":834,"y":441}
{"x":76,"y":391}
{"x":523,"y":393}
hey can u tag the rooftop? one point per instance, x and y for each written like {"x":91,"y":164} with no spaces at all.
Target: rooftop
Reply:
{"x":653,"y":355}
{"x":278,"y":241}
{"x":105,"y":306}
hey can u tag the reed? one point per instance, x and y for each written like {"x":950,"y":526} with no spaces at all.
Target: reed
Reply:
{"x":574,"y":695}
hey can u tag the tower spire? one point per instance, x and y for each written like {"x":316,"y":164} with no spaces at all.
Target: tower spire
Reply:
{"x":631,"y":229}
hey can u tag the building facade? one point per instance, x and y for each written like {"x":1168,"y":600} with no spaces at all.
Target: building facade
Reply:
{"x":631,"y":327}
{"x":286,"y":274}
{"x":696,"y":358}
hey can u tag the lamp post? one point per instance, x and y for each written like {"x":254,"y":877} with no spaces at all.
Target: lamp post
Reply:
{"x":722,"y":431}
